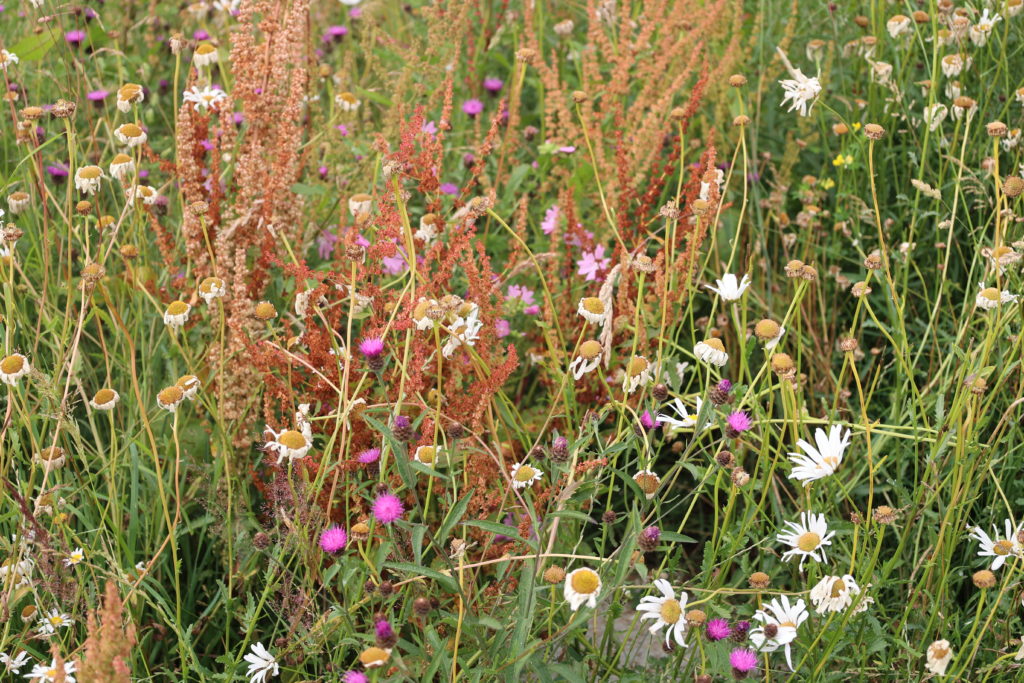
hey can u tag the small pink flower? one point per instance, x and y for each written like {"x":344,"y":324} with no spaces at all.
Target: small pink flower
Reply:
{"x":502,"y":328}
{"x":371,"y":347}
{"x":593,"y":262}
{"x":368,"y":456}
{"x":387,"y":508}
{"x":333,"y":540}
{"x":743,"y":660}
{"x":739,"y":421}
{"x":472,"y":107}
{"x":550,"y":221}
{"x":718,"y":629}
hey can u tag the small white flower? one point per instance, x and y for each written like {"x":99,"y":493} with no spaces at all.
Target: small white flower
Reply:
{"x":593,"y":310}
{"x":212,"y":288}
{"x":786,"y":618}
{"x":990,"y":297}
{"x":14,"y":664}
{"x":104,"y":399}
{"x":205,"y":54}
{"x":938,"y":657}
{"x":7,"y":58}
{"x":141,"y":193}
{"x":53,"y":620}
{"x":1012,"y":139}
{"x":525,"y":476}
{"x":898,"y":25}
{"x":999,"y":547}
{"x":176,"y":314}
{"x":346,"y":101}
{"x":800,"y":91}
{"x":982,"y":29}
{"x":88,"y":179}
{"x":18,"y":202}
{"x":129,"y":94}
{"x":204,"y":98}
{"x":13,"y":368}
{"x":711,"y":351}
{"x":122,"y":167}
{"x":130,"y":134}
{"x":682,"y":419}
{"x":291,"y":443}
{"x":639,"y":372}
{"x":47,"y":673}
{"x":666,"y":611}
{"x":464,"y":330}
{"x":955,"y":64}
{"x":818,"y":463}
{"x":16,"y":573}
{"x":76,"y":556}
{"x":587,"y":359}
{"x":427,"y":455}
{"x":834,"y":594}
{"x":262,"y":664}
{"x":807,"y":538}
{"x":582,"y":586}
{"x":729,"y":288}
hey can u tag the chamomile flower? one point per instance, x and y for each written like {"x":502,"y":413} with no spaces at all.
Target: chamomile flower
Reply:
{"x":835,"y":593}
{"x":525,"y":476}
{"x":953,"y":65}
{"x":786,"y":617}
{"x":817,"y":463}
{"x":938,"y":657}
{"x":465,"y":329}
{"x":47,"y":673}
{"x":262,"y":664}
{"x":729,"y":288}
{"x":130,"y":134}
{"x":176,"y":314}
{"x":53,"y":620}
{"x":205,"y":98}
{"x":212,"y":288}
{"x":800,"y":91}
{"x":999,"y":547}
{"x":18,"y":202}
{"x":582,"y":586}
{"x":88,"y":179}
{"x":205,"y":54}
{"x":807,"y":538}
{"x":291,"y":443}
{"x":769,"y":332}
{"x":990,"y":297}
{"x":346,"y":101}
{"x":13,"y":368}
{"x":898,"y":25}
{"x":129,"y":94}
{"x":593,"y":310}
{"x":982,"y":28}
{"x":7,"y":58}
{"x":76,"y":556}
{"x":189,"y":385}
{"x":427,"y":455}
{"x":15,"y":663}
{"x":122,"y":167}
{"x":934,"y":115}
{"x":104,"y":399}
{"x":141,"y":193}
{"x":587,"y":359}
{"x":666,"y":611}
{"x":711,"y":351}
{"x":682,"y":419}
{"x":170,"y":397}
{"x":639,"y":372}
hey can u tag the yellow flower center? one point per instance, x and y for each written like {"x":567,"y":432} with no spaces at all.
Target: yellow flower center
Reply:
{"x":348,"y":97}
{"x":715,"y":343}
{"x":90,"y":172}
{"x":170,"y":395}
{"x":838,"y":587}
{"x":427,"y":454}
{"x":292,"y":439}
{"x":593,"y":305}
{"x":590,"y":349}
{"x":129,"y":91}
{"x":177,"y":308}
{"x":12,"y":364}
{"x":808,"y":542}
{"x":211,"y":284}
{"x":670,"y":611}
{"x":130,"y":130}
{"x":53,"y":453}
{"x":766,"y":329}
{"x":990,"y":293}
{"x":585,"y":582}
{"x":1003,"y":547}
{"x":787,"y":623}
{"x":420,"y":311}
{"x":205,"y":49}
{"x":56,"y":620}
{"x":121,"y":159}
{"x":637,"y":366}
{"x":525,"y":473}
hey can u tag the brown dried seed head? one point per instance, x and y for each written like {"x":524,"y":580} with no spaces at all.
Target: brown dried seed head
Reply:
{"x":964,"y":102}
{"x":579,"y":97}
{"x":84,"y":207}
{"x":265,"y":311}
{"x":840,"y":129}
{"x":766,"y":329}
{"x":737,"y":80}
{"x":1013,"y":186}
{"x":782,"y":363}
{"x":759,"y":580}
{"x":741,"y":120}
{"x":984,"y":579}
{"x":873,"y":131}
{"x":554,"y":574}
{"x":996,"y":129}
{"x":129,"y":251}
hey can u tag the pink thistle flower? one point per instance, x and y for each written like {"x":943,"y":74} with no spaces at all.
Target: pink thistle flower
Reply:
{"x":387,"y":508}
{"x":550,"y":221}
{"x":472,"y":107}
{"x":742,"y":660}
{"x":354,"y":677}
{"x":718,"y":629}
{"x":333,"y":540}
{"x":648,"y":422}
{"x":370,"y":455}
{"x":739,"y":422}
{"x":371,"y":347}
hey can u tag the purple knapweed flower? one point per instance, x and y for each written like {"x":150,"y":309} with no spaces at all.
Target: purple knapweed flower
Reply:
{"x":493,"y":85}
{"x":739,"y":422}
{"x":742,"y":660}
{"x":472,"y":107}
{"x":717,"y":629}
{"x":387,"y":508}
{"x":333,"y":540}
{"x":370,"y":455}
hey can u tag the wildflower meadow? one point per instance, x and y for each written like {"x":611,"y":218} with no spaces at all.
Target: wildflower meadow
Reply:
{"x":511,"y":340}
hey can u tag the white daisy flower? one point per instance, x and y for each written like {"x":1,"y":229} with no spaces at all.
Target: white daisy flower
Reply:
{"x":639,"y":372}
{"x":953,"y":65}
{"x":129,"y":94}
{"x":711,"y":351}
{"x":1012,"y":139}
{"x":141,"y":193}
{"x":463,"y":330}
{"x":769,"y":332}
{"x":262,"y":664}
{"x":982,"y":29}
{"x":898,"y":25}
{"x":7,"y":58}
{"x":934,"y":115}
{"x":122,"y":167}
{"x":420,"y":313}
{"x":88,"y":179}
{"x":359,"y":204}
{"x":205,"y":54}
{"x":582,"y":586}
{"x":999,"y":547}
{"x":346,"y":101}
{"x":430,"y":227}
{"x":291,"y":443}
{"x":46,"y":673}
{"x":682,"y":419}
{"x":104,"y":399}
{"x":666,"y":611}
{"x":525,"y":476}
{"x":16,"y":573}
{"x":587,"y":359}
{"x":18,"y":202}
{"x":593,"y":310}
{"x":13,"y":368}
{"x":176,"y":314}
{"x":212,"y":288}
{"x":76,"y":556}
{"x":801,"y":91}
{"x":786,"y":618}
{"x":15,"y":663}
{"x":53,"y":620}
{"x":938,"y":657}
{"x":729,"y":288}
{"x":130,"y":134}
{"x":204,"y":98}
{"x":427,"y":455}
{"x":807,"y":538}
{"x":818,"y":463}
{"x":990,"y":297}
{"x":834,"y":594}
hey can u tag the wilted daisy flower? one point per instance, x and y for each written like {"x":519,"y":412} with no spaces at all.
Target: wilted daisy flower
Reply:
{"x":7,"y":59}
{"x":934,"y":115}
{"x":807,"y":538}
{"x":18,"y":202}
{"x":938,"y":656}
{"x":639,"y":372}
{"x":189,"y":385}
{"x":50,"y":458}
{"x":898,"y":25}
{"x":212,"y":288}
{"x":953,"y":65}
{"x":53,"y":620}
{"x":582,"y":586}
{"x":13,"y":368}
{"x":141,"y":193}
{"x":204,"y":55}
{"x":999,"y":547}
{"x":593,"y":310}
{"x":982,"y":28}
{"x":781,"y":621}
{"x":346,"y":101}
{"x":14,"y":663}
{"x":587,"y":359}
{"x":426,"y":455}
{"x":104,"y":399}
{"x":834,"y":594}
{"x":262,"y":664}
{"x":130,"y":134}
{"x":176,"y":314}
{"x":463,"y":330}
{"x":648,"y":482}
{"x":88,"y":178}
{"x":1012,"y":139}
{"x":964,"y":105}
{"x":990,"y":297}
{"x":524,"y":476}
{"x":291,"y":443}
{"x":729,"y":288}
{"x":769,"y":332}
{"x":711,"y":351}
{"x":122,"y":167}
{"x":666,"y":611}
{"x":170,"y":397}
{"x":204,"y":98}
{"x":47,"y":673}
{"x":16,"y":573}
{"x":76,"y":556}
{"x":129,"y":94}
{"x":817,"y":463}
{"x":800,"y":91}
{"x":430,"y":227}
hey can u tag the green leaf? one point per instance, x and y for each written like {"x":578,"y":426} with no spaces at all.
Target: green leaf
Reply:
{"x":455,"y":513}
{"x":308,"y":190}
{"x":447,"y":582}
{"x":33,"y":47}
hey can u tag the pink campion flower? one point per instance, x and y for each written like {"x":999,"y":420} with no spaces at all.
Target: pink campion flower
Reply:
{"x":387,"y":508}
{"x":343,"y":129}
{"x":449,"y":188}
{"x":430,"y":128}
{"x":325,"y":243}
{"x":472,"y":107}
{"x":593,"y":262}
{"x":502,"y":328}
{"x":532,"y":310}
{"x":333,"y":540}
{"x":648,"y":422}
{"x":525,"y":294}
{"x":395,"y":265}
{"x":370,"y":455}
{"x":550,"y":221}
{"x":739,"y":421}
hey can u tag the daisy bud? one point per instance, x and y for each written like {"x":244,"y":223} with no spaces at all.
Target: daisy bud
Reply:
{"x":554,"y":574}
{"x":984,"y":579}
{"x":873,"y":131}
{"x":737,"y":80}
{"x":996,"y":129}
{"x":83,"y":208}
{"x":759,"y":580}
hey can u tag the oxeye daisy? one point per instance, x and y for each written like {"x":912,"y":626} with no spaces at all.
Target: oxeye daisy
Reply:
{"x":189,"y":385}
{"x":990,"y":297}
{"x":639,"y":372}
{"x":346,"y":101}
{"x":781,"y":620}
{"x":18,"y":202}
{"x":50,"y":458}
{"x":130,"y":134}
{"x":820,"y":462}
{"x":463,"y":330}
{"x":205,"y":54}
{"x":938,"y":656}
{"x":587,"y":359}
{"x":999,"y":547}
{"x":711,"y":351}
{"x":47,"y":673}
{"x":807,"y":538}
{"x":176,"y":314}
{"x":262,"y":664}
{"x":582,"y":586}
{"x":666,"y":611}
{"x":143,"y":194}
{"x":14,"y":663}
{"x":800,"y":91}
{"x":13,"y":368}
{"x":7,"y":58}
{"x":204,"y":98}
{"x":212,"y":288}
{"x":122,"y":167}
{"x":291,"y":443}
{"x":524,"y":476}
{"x":53,"y":620}
{"x":682,"y":419}
{"x":427,"y":455}
{"x":170,"y":397}
{"x":593,"y":310}
{"x":728,"y":288}
{"x":835,"y":593}
{"x":129,"y":94}
{"x":769,"y":332}
{"x":88,"y":179}
{"x":76,"y":556}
